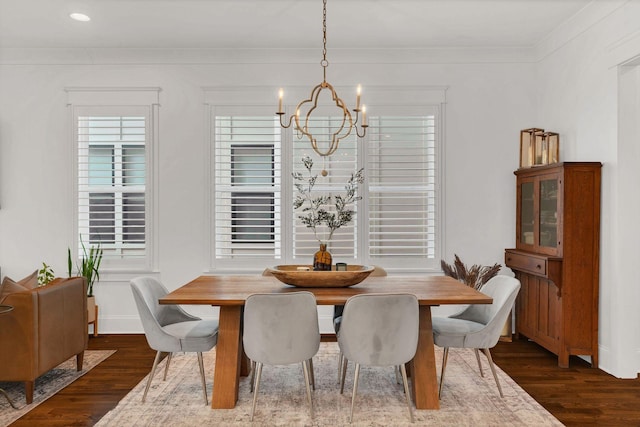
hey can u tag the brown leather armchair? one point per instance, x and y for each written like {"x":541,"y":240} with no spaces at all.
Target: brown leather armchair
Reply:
{"x":47,"y":326}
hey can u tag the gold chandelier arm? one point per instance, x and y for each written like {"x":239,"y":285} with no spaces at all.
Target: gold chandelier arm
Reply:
{"x":364,"y":131}
{"x":281,"y":114}
{"x":357,"y":111}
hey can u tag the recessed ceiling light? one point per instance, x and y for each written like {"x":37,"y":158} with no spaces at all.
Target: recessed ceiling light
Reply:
{"x":80,"y":17}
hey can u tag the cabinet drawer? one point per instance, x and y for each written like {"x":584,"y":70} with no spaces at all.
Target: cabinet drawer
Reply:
{"x":532,"y":264}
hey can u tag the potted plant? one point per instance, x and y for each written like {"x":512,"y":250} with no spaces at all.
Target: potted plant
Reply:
{"x":45,"y":275}
{"x":325,"y":210}
{"x":89,"y":268}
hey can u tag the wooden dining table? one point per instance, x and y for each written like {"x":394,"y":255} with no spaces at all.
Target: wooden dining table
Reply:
{"x":229,"y":292}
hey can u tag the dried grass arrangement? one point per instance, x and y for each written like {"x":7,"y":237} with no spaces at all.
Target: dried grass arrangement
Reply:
{"x":475,"y":277}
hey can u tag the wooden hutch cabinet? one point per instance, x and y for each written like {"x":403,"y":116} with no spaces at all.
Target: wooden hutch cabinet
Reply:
{"x":556,"y":257}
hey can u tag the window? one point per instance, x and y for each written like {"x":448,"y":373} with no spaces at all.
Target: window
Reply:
{"x":247,"y":187}
{"x":114,"y":132}
{"x":397,"y":222}
{"x":111,"y":185}
{"x":402,"y":199}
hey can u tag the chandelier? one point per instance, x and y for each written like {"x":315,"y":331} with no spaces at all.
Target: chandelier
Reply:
{"x":308,"y":106}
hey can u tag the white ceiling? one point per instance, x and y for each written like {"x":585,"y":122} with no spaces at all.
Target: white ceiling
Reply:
{"x":282,"y":23}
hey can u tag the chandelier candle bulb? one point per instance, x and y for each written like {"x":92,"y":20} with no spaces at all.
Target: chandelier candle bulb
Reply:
{"x":280,"y":96}
{"x":358,"y":97}
{"x":364,"y":116}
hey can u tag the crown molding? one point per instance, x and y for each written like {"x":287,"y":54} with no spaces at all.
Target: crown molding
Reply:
{"x":126,"y":56}
{"x":590,"y":15}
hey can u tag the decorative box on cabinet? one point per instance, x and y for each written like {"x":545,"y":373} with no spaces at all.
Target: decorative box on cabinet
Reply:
{"x":557,"y":257}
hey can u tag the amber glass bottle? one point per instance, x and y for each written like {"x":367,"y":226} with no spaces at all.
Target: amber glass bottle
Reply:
{"x":322,"y":259}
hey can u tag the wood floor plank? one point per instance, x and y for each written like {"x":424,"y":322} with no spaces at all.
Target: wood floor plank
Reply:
{"x":577,"y":396}
{"x":87,"y":399}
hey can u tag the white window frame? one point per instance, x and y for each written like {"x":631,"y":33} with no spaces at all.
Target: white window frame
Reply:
{"x":381,"y":101}
{"x":112,"y":101}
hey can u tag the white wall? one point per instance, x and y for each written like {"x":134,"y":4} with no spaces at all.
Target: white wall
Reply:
{"x":576,"y":88}
{"x":488,"y":102}
{"x":585,"y":96}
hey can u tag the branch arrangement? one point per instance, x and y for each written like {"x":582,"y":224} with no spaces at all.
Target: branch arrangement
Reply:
{"x":331,"y":211}
{"x":475,"y":277}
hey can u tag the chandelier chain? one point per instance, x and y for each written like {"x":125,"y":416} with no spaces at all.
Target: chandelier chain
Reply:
{"x":324,"y":61}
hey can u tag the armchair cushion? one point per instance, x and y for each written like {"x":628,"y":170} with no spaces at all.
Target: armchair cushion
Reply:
{"x":10,"y":286}
{"x":31,"y":281}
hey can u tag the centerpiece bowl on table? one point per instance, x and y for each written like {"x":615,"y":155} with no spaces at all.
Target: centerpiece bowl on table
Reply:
{"x":296,"y":275}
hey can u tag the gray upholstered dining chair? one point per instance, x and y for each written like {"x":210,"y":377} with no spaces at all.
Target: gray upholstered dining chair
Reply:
{"x":281,"y":329}
{"x":170,"y":329}
{"x":379,"y":330}
{"x":338,"y":309}
{"x":479,"y":326}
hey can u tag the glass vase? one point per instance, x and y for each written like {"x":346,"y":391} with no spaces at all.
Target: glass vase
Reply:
{"x":322,"y":259}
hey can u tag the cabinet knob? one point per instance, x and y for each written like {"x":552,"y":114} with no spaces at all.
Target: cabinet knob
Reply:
{"x":538,"y":266}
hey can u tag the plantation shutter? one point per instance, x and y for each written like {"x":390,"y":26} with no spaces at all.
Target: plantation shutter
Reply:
{"x":401,"y":167}
{"x":112,"y":174}
{"x":247,"y":180}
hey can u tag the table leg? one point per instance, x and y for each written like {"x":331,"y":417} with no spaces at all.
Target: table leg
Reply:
{"x":245,"y":363}
{"x":226,"y":377}
{"x":424,"y":384}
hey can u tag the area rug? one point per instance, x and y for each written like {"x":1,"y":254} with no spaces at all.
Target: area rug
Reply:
{"x":468,"y":399}
{"x":47,"y":385}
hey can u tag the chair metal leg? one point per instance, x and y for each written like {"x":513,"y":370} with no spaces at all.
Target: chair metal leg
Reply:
{"x":343,"y":364}
{"x":153,"y":371}
{"x":306,"y":367}
{"x":445,"y":356}
{"x":204,"y":382}
{"x":344,"y":373}
{"x":355,"y":389}
{"x":166,"y":367}
{"x":479,"y":363}
{"x":405,"y":382}
{"x":253,"y":376}
{"x":255,"y":391}
{"x":493,"y":369}
{"x":312,"y":375}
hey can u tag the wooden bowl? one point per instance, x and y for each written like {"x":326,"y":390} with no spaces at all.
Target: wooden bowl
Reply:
{"x":291,"y":275}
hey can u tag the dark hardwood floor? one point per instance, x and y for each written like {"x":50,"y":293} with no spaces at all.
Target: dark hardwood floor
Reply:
{"x":577,"y":396}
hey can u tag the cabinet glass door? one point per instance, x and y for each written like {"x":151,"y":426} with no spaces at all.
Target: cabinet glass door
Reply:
{"x":527,"y":218}
{"x":548,"y":236}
